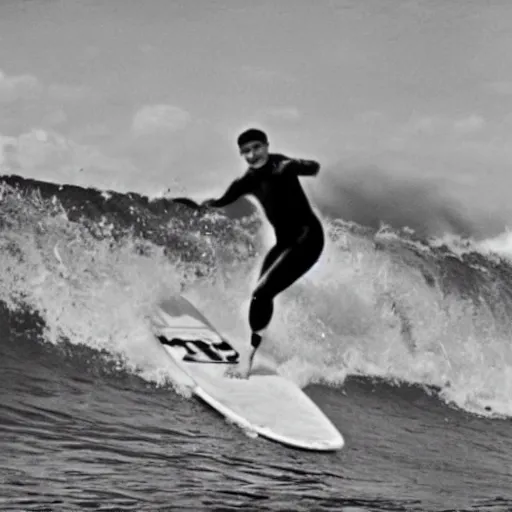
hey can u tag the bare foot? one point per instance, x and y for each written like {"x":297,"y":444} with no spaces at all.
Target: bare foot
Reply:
{"x":239,"y":371}
{"x":235,"y":373}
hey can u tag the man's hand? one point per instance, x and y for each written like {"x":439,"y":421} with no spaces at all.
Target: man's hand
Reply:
{"x":186,"y":202}
{"x":208,"y":203}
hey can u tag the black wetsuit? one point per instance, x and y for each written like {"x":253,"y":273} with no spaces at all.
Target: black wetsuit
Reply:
{"x":299,"y":233}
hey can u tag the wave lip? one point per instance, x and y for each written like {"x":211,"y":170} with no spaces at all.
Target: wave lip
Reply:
{"x":89,"y":264}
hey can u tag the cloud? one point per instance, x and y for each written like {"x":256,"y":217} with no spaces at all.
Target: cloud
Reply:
{"x":442,"y":130}
{"x":467,"y":125}
{"x":503,"y":88}
{"x":13,"y":88}
{"x":155,"y":118}
{"x":286,"y":113}
{"x":48,"y":155}
{"x":25,"y":102}
{"x":64,"y":92}
{"x":371,"y":117}
{"x":55,"y":117}
{"x":265,"y":75}
{"x":424,"y":125}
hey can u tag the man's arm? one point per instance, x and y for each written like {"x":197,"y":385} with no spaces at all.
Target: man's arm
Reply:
{"x":305,"y":167}
{"x":299,"y":167}
{"x":238,"y":188}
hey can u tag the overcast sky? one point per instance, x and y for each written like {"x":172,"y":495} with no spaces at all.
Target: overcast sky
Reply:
{"x":143,"y":95}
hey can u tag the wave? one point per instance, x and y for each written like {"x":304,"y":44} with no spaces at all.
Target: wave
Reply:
{"x":85,"y":267}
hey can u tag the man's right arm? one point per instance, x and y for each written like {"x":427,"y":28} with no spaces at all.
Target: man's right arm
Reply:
{"x":238,"y":188}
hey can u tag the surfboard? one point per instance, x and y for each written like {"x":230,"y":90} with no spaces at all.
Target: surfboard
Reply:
{"x":265,"y":404}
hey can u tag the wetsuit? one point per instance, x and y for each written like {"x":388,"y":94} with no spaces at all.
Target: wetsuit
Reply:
{"x":299,"y":233}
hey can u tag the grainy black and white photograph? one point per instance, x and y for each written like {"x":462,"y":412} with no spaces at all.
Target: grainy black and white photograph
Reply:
{"x":255,"y":255}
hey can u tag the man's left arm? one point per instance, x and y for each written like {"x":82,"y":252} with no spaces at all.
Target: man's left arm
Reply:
{"x":300,"y":167}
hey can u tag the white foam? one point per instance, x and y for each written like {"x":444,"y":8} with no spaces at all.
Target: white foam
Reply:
{"x":336,"y":321}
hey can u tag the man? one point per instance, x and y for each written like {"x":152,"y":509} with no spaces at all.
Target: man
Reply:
{"x":273,"y":180}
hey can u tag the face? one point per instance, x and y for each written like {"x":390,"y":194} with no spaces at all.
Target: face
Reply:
{"x":255,"y":154}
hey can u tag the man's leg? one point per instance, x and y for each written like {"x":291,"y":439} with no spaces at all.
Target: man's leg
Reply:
{"x":271,"y":257}
{"x":262,"y":316}
{"x":288,"y":266}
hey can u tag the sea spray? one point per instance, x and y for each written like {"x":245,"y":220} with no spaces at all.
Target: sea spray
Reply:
{"x":379,"y":303}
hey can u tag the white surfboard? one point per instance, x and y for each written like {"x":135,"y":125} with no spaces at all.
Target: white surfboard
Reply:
{"x":266,"y":403}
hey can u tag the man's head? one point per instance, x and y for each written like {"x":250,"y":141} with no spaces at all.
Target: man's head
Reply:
{"x":253,"y":145}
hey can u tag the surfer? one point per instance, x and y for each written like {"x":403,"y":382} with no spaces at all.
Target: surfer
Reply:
{"x":273,"y":179}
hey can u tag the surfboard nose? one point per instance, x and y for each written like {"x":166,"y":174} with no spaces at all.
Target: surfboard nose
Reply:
{"x":266,"y":403}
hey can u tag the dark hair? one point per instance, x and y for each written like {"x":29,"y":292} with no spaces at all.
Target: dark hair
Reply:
{"x":252,"y":135}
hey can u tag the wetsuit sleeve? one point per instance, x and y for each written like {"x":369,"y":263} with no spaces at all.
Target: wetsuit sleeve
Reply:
{"x":301,"y":167}
{"x":239,"y":187}
{"x":296,"y":166}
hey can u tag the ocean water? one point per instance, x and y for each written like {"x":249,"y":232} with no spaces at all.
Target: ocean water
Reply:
{"x":404,"y":343}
